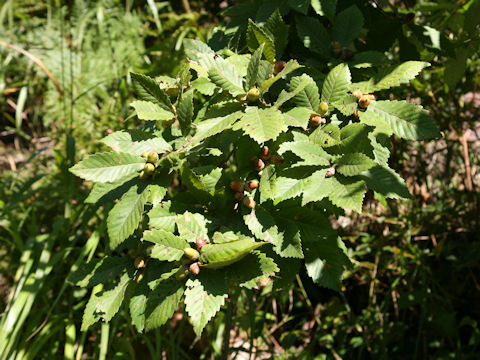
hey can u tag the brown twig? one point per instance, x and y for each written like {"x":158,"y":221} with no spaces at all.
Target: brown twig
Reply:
{"x":468,"y":170}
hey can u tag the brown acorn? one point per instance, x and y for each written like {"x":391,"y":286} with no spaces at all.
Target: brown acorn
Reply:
{"x":251,"y":185}
{"x":200,"y":243}
{"x":357,"y":93}
{"x":265,"y":153}
{"x":279,"y":66}
{"x":139,"y":263}
{"x":258,"y":164}
{"x":238,"y":196}
{"x":194,"y":268}
{"x":316,"y":120}
{"x":364,"y":101}
{"x":236,"y":185}
{"x":276,"y":159}
{"x":249,"y":202}
{"x":330,"y":172}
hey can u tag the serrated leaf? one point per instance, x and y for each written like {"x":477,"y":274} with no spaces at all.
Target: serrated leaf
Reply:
{"x":313,"y":35}
{"x":90,"y":314}
{"x":125,"y":216}
{"x":148,"y":89}
{"x":256,"y":36}
{"x":147,"y":110}
{"x":161,"y":217}
{"x":310,"y":152}
{"x":135,"y":142}
{"x":336,"y":84}
{"x":386,"y":182}
{"x":298,"y":117}
{"x":292,"y":65}
{"x":407,"y":120}
{"x":204,"y":86}
{"x":191,"y":226}
{"x":214,"y":126}
{"x":138,"y":304}
{"x":99,"y":271}
{"x":105,"y":192}
{"x":347,"y":105}
{"x":162,"y":302}
{"x":226,"y":76}
{"x":253,"y":67}
{"x":204,"y":296}
{"x":267,"y":183}
{"x":325,"y":8}
{"x":316,"y":187}
{"x":265,"y":69}
{"x":216,"y":256}
{"x":263,"y":227}
{"x":224,"y":237}
{"x":308,"y":95}
{"x":108,"y":167}
{"x":326,"y":136}
{"x":185,"y":111}
{"x":252,"y":270}
{"x":353,"y":138}
{"x":347,"y":25}
{"x":262,"y":124}
{"x":346,"y":193}
{"x":168,"y":247}
{"x":285,"y":96}
{"x":279,"y":31}
{"x":401,"y":74}
{"x":109,"y":302}
{"x":354,"y":164}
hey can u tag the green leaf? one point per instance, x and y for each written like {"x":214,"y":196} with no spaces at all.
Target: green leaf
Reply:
{"x":337,"y":84}
{"x":385,"y":181}
{"x":125,"y":216}
{"x":307,"y":96}
{"x":292,"y":65}
{"x":136,"y":142}
{"x":204,"y":86}
{"x":298,"y":117}
{"x":354,"y":164}
{"x":262,"y":124}
{"x":313,"y":35}
{"x":216,"y":256}
{"x":325,"y":8}
{"x":161,"y":217}
{"x":138,"y":304}
{"x":224,"y":237}
{"x":347,"y":25}
{"x":316,"y":187}
{"x":185,"y":111}
{"x":253,"y":67}
{"x":267,"y":183}
{"x":148,"y":89}
{"x":401,"y":74}
{"x":407,"y":120}
{"x":353,"y":138}
{"x":346,"y":193}
{"x":147,"y":110}
{"x":162,"y":302}
{"x":214,"y":126}
{"x":108,"y":167}
{"x":99,"y":271}
{"x":256,"y":36}
{"x":106,"y":192}
{"x":168,"y":247}
{"x":326,"y":136}
{"x":108,"y":302}
{"x":225,"y":75}
{"x":192,"y":226}
{"x":310,"y":152}
{"x":251,"y":270}
{"x":204,"y":296}
{"x":347,"y":105}
{"x":276,"y":27}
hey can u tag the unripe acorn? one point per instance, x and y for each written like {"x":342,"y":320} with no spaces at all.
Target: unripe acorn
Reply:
{"x":194,"y":268}
{"x":152,"y":157}
{"x":142,"y":175}
{"x":265,"y":153}
{"x":238,"y":196}
{"x":139,"y":263}
{"x":145,"y":154}
{"x":317,"y":120}
{"x":357,"y":93}
{"x":258,"y":164}
{"x":347,"y":54}
{"x":322,"y":108}
{"x":330,"y":172}
{"x":276,"y":160}
{"x":279,"y":66}
{"x":253,"y":95}
{"x":172,"y":91}
{"x":364,"y":101}
{"x":192,"y":254}
{"x":149,"y":168}
{"x":251,"y":185}
{"x":200,"y":243}
{"x":249,"y":202}
{"x":236,"y":185}
{"x":182,"y":273}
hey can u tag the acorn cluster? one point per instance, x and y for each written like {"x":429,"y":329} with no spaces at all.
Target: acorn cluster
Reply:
{"x":190,"y":258}
{"x":150,"y":165}
{"x":318,"y":118}
{"x":364,"y":100}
